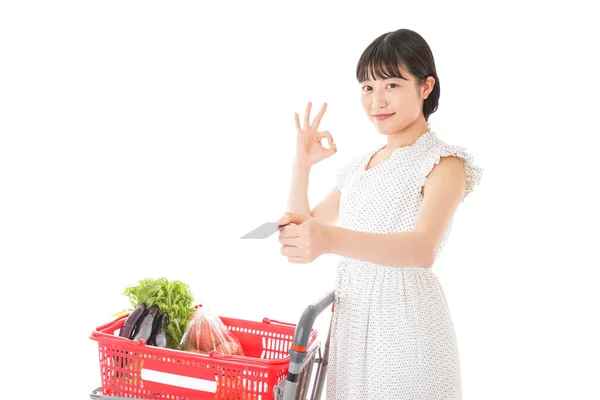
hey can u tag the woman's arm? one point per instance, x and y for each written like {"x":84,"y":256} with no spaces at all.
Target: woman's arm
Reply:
{"x":401,"y":249}
{"x":298,"y":199}
{"x":443,"y":192}
{"x":309,"y":151}
{"x":327,"y":211}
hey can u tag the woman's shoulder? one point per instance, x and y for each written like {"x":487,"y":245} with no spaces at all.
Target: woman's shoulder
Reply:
{"x":441,"y":148}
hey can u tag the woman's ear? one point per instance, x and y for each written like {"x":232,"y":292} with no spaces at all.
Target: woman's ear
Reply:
{"x":428,"y":86}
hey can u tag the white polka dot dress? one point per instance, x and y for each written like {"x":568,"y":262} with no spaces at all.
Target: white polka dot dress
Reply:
{"x":392,"y":336}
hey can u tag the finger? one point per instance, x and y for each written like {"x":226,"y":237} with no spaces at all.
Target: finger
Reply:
{"x":298,"y":127}
{"x":288,"y":241}
{"x":292,"y":217}
{"x":307,"y":116}
{"x":329,"y":138}
{"x":326,"y":134}
{"x":290,"y":251}
{"x":282,"y":220}
{"x":290,"y":231}
{"x":317,"y":120}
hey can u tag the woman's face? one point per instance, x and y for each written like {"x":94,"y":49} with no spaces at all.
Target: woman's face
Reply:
{"x":401,"y":98}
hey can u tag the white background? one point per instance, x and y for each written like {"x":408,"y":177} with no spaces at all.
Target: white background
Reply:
{"x":142,"y":139}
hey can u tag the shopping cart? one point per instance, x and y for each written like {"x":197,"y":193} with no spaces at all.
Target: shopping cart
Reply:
{"x":278,"y":364}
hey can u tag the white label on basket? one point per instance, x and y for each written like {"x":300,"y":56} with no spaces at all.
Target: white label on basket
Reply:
{"x":179,"y":380}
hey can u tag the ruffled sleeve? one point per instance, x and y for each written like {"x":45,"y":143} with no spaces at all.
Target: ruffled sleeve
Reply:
{"x":473,"y":173}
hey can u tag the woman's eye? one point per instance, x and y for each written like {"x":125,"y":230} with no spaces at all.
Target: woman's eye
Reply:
{"x":364,"y":88}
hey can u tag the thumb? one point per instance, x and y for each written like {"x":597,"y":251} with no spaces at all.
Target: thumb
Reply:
{"x":293,"y":218}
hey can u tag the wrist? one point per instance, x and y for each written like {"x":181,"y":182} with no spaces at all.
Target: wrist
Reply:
{"x":300,"y":164}
{"x":332,"y":235}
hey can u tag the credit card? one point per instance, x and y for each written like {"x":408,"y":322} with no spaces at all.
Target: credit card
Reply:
{"x":264,"y":231}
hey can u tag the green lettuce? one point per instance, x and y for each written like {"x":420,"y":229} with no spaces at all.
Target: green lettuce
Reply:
{"x":174,"y":298}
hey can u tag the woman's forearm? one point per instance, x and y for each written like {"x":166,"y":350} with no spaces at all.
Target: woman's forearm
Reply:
{"x":298,"y":199}
{"x":401,"y":249}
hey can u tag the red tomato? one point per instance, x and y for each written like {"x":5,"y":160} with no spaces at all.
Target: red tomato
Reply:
{"x":198,"y":351}
{"x":230,"y":348}
{"x":203,"y":336}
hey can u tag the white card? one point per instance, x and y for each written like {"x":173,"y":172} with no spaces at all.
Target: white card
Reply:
{"x":264,"y":231}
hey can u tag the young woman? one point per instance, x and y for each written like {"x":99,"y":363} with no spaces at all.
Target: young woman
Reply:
{"x":392,"y":336}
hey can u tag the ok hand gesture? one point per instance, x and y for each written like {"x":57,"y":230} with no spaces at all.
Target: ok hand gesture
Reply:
{"x":309,"y":149}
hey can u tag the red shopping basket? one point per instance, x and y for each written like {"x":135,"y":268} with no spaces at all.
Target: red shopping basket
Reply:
{"x":132,"y":369}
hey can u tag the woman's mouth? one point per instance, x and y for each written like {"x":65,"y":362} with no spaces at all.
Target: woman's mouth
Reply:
{"x":382,"y":116}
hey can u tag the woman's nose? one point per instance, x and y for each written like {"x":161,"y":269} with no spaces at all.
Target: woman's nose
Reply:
{"x":378,"y":101}
{"x":378,"y":104}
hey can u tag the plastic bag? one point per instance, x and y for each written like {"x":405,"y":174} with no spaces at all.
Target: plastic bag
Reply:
{"x":206,"y":332}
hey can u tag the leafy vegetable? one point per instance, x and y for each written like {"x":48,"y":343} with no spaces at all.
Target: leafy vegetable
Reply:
{"x":174,"y":298}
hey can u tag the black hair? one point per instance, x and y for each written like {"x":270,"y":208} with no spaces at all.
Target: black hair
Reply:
{"x":407,"y":48}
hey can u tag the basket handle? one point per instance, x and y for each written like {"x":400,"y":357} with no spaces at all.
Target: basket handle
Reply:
{"x":113,"y":325}
{"x":272,"y":321}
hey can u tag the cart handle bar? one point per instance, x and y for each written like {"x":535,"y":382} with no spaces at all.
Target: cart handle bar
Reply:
{"x":304,"y":327}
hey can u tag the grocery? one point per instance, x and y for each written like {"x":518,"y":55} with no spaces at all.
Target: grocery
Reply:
{"x":132,"y":320}
{"x":231,"y":348}
{"x":207,"y":332}
{"x":172,"y":297}
{"x":202,"y":335}
{"x":217,"y":357}
{"x":143,"y":329}
{"x":159,"y":331}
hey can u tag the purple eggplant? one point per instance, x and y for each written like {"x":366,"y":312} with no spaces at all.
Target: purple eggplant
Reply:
{"x":143,"y":329}
{"x":159,"y":333}
{"x":127,"y":329}
{"x":131,"y":321}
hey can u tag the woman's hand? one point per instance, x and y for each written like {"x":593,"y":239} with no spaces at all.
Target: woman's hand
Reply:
{"x":304,"y":239}
{"x":309,"y":149}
